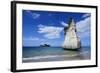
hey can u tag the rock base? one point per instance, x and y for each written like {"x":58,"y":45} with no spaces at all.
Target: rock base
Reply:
{"x":76,"y":49}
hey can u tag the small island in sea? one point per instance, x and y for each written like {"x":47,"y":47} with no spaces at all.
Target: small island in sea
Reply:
{"x":45,"y":45}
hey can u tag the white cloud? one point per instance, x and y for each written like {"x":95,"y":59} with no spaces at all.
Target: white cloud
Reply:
{"x":63,"y":23}
{"x":86,"y":15}
{"x":50,"y":32}
{"x":34,"y":15}
{"x":83,"y":27}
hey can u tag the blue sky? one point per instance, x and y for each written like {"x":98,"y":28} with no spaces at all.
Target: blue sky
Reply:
{"x":46,"y":27}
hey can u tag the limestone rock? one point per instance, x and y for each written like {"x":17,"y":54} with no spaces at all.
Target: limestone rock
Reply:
{"x":71,"y":40}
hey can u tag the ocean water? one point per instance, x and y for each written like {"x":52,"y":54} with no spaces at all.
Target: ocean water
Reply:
{"x":45,"y":54}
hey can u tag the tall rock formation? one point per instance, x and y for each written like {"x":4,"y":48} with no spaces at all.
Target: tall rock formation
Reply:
{"x":71,"y":41}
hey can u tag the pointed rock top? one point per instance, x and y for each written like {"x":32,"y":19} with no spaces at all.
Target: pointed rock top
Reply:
{"x":71,"y":21}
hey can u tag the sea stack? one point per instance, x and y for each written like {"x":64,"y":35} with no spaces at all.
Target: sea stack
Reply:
{"x":71,"y":41}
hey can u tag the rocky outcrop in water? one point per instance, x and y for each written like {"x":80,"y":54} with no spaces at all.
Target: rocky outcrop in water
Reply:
{"x":71,"y":40}
{"x":45,"y":45}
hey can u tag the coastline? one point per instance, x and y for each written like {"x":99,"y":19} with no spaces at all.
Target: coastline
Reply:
{"x":59,"y":55}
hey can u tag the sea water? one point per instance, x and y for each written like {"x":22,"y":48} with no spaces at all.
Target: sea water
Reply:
{"x":45,"y":54}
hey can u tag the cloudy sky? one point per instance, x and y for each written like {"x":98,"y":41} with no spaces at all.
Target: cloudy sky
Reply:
{"x":46,"y":27}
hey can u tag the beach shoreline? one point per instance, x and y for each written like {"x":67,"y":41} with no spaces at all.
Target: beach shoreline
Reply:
{"x":54,"y":54}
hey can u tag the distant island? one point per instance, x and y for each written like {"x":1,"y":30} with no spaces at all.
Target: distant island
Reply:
{"x":45,"y":45}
